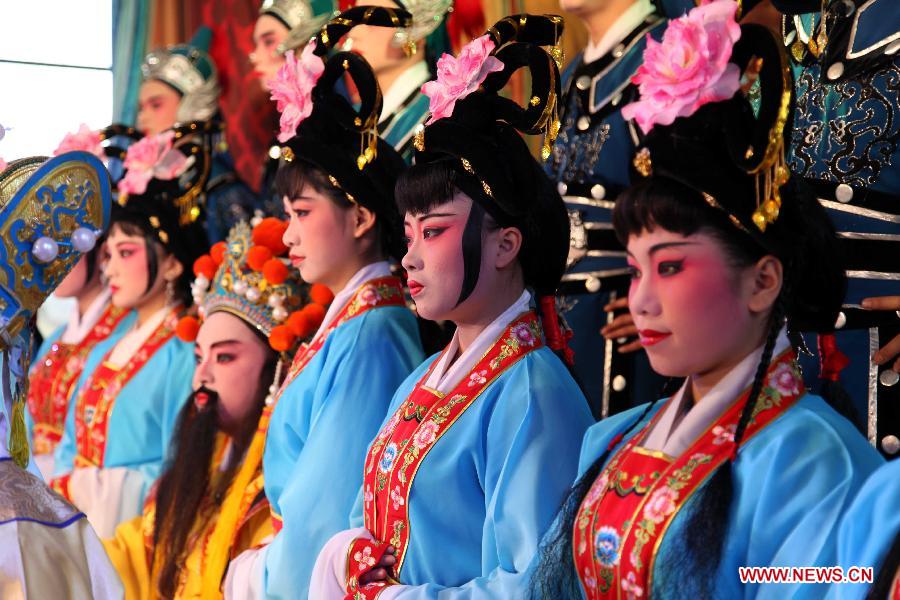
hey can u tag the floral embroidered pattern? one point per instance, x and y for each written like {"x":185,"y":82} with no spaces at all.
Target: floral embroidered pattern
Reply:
{"x":606,"y":546}
{"x":661,"y":504}
{"x":387,"y":458}
{"x":364,"y":558}
{"x":642,"y":519}
{"x":724,"y":434}
{"x":477,"y":378}
{"x":416,"y":426}
{"x":426,"y":435}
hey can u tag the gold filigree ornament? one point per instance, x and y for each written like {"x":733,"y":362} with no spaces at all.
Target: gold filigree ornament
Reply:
{"x":419,"y":138}
{"x":642,"y":162}
{"x":772,"y":172}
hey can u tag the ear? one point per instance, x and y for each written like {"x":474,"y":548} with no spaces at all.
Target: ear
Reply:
{"x":768,"y":277}
{"x":509,"y":242}
{"x":171,"y":268}
{"x":363,"y":221}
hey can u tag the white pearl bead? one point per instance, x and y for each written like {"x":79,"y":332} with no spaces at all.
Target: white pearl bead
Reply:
{"x":240,"y":287}
{"x":279,"y":313}
{"x":84,"y":239}
{"x":276,"y":300}
{"x":252,"y":294}
{"x":45,"y":249}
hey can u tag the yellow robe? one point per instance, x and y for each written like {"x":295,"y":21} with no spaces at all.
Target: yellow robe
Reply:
{"x":131,"y":549}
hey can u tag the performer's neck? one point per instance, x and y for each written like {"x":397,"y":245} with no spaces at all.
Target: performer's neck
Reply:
{"x":469,"y":327}
{"x":599,"y":21}
{"x":88,"y":296}
{"x":390,"y":74}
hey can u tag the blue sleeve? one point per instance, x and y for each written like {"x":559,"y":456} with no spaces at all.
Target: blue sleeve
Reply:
{"x":792,"y":484}
{"x":869,"y":527}
{"x":364,"y":371}
{"x":529,"y":459}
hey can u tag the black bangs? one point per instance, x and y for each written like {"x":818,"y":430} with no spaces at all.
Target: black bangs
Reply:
{"x":422,"y":187}
{"x":676,"y":207}
{"x":291,"y":177}
{"x":659,"y":202}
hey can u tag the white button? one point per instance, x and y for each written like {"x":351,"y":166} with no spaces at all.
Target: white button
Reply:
{"x":618,"y":383}
{"x":592,"y":284}
{"x":274,"y":152}
{"x":890,"y":443}
{"x":889,"y":378}
{"x":835,"y":71}
{"x":598,"y":192}
{"x":562,"y":188}
{"x":583,"y":82}
{"x":892,"y":48}
{"x":840,"y":321}
{"x":583,"y":123}
{"x":619,"y":50}
{"x":844,"y":193}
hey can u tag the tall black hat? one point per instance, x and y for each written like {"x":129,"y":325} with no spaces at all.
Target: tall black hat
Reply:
{"x":338,"y":137}
{"x":481,"y":140}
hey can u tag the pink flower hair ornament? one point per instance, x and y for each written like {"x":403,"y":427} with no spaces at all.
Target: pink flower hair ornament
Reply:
{"x":292,"y":89}
{"x":152,"y":157}
{"x":458,"y":77}
{"x":85,"y":139}
{"x":689,"y":68}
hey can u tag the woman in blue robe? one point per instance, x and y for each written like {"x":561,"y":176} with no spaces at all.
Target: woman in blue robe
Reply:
{"x":467,"y":473}
{"x":123,"y":411}
{"x":344,"y":227}
{"x":741,"y":467}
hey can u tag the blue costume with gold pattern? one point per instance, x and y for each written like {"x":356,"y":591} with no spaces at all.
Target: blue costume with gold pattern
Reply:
{"x":591,"y":163}
{"x":846,"y":144}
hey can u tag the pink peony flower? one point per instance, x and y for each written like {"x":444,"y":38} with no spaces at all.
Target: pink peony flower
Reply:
{"x":689,"y":68}
{"x":459,"y":77}
{"x":522,"y":332}
{"x":477,"y":378}
{"x":292,"y":89}
{"x":426,"y":435}
{"x":785,"y":380}
{"x":397,"y":498}
{"x":661,"y":504}
{"x":85,"y":139}
{"x":724,"y":434}
{"x":631,"y":587}
{"x":152,"y":157}
{"x":364,"y":558}
{"x":369,"y":295}
{"x":597,"y":489}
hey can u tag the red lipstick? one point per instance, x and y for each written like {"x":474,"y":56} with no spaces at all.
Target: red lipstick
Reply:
{"x":650,"y":337}
{"x":415,"y":287}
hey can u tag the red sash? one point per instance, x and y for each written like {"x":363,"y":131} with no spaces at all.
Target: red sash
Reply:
{"x":95,"y":400}
{"x":375,"y":293}
{"x":52,"y":377}
{"x":397,"y":453}
{"x":616,"y":535}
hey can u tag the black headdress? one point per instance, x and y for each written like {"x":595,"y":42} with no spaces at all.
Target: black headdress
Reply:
{"x":734,"y":156}
{"x":171,"y":211}
{"x":341,"y":139}
{"x":481,"y":142}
